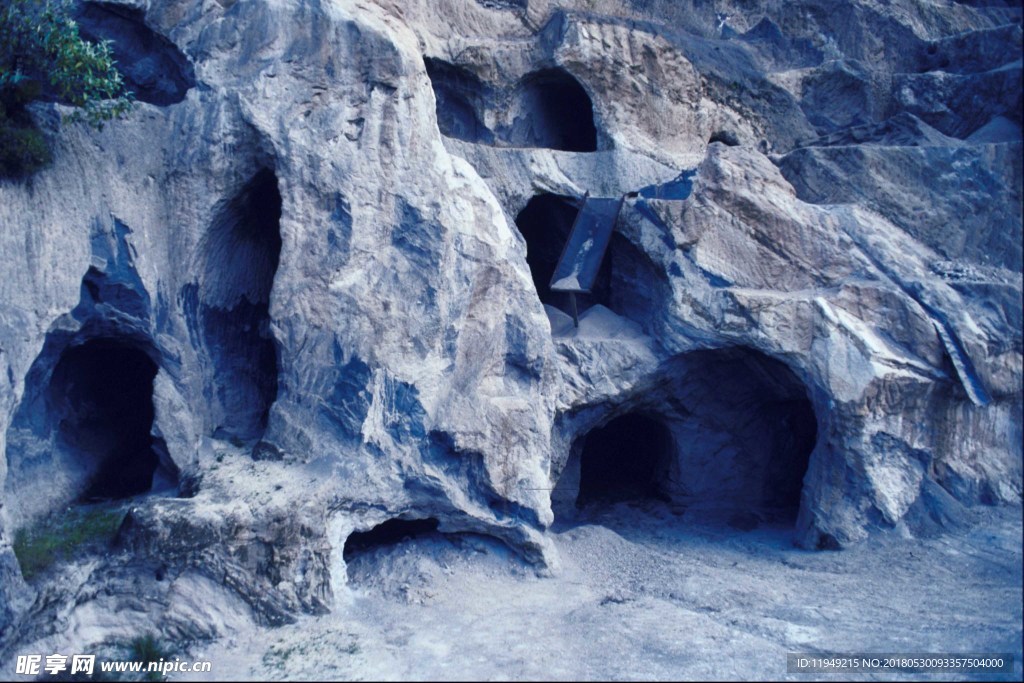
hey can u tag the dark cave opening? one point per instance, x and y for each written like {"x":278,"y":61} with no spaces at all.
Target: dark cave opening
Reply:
{"x":557,"y":113}
{"x":387,"y":533}
{"x":102,"y":395}
{"x":724,"y":434}
{"x":153,"y":67}
{"x":627,"y":459}
{"x":545,"y":223}
{"x":747,"y":435}
{"x":726,"y":137}
{"x":242,"y":250}
{"x":459,"y":97}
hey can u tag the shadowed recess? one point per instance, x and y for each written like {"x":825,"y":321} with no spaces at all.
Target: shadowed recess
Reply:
{"x":545,"y":224}
{"x":153,"y":67}
{"x":388,"y":533}
{"x":726,"y":137}
{"x":460,"y":97}
{"x":747,"y":433}
{"x":627,"y":459}
{"x":556,"y":112}
{"x":241,"y":254}
{"x":102,"y":395}
{"x":726,"y":433}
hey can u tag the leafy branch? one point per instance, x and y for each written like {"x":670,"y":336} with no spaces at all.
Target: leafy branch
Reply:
{"x":43,"y":55}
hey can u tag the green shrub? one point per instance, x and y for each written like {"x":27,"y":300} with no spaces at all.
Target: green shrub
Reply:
{"x":23,"y":149}
{"x":148,"y":649}
{"x":60,"y":537}
{"x":42,"y":52}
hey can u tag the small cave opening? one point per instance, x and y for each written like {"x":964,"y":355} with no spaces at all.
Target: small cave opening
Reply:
{"x":629,"y":458}
{"x":460,"y":97}
{"x":390,"y":532}
{"x":153,"y":67}
{"x":746,"y":434}
{"x":726,"y":137}
{"x":554,"y":111}
{"x":101,"y":393}
{"x":241,"y":252}
{"x":545,"y":223}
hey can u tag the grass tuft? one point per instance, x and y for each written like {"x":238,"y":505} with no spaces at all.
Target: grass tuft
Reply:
{"x":60,"y":537}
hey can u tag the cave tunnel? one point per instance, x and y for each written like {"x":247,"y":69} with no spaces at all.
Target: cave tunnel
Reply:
{"x":102,"y":395}
{"x":390,"y":532}
{"x":556,"y":113}
{"x":459,"y":97}
{"x":242,"y":251}
{"x":545,"y":223}
{"x":748,"y":432}
{"x":627,"y":459}
{"x":726,"y":432}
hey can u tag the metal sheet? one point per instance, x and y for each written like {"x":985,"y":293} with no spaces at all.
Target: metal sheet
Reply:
{"x":580,"y":262}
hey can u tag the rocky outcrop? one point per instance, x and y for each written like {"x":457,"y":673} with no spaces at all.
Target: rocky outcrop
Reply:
{"x":309,"y":231}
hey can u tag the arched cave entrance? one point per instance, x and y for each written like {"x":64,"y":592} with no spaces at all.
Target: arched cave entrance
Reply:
{"x":726,"y":137}
{"x":554,"y":111}
{"x":101,"y":394}
{"x":747,"y":434}
{"x":627,"y":459}
{"x":241,"y":254}
{"x":387,"y":533}
{"x":459,"y":96}
{"x":545,"y":223}
{"x":725,"y":432}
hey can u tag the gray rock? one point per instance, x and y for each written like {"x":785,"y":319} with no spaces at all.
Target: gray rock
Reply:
{"x":313,"y":247}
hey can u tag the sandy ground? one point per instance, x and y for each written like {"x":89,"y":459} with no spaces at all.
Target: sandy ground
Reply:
{"x":643,"y":593}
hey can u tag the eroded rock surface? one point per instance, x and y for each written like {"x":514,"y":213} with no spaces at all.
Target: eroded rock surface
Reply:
{"x":308,"y":228}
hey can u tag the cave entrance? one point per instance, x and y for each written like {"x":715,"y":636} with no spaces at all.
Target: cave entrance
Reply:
{"x":390,"y":532}
{"x":102,"y":394}
{"x":241,"y":251}
{"x":459,"y":96}
{"x":627,"y":459}
{"x":546,"y":223}
{"x":556,"y":113}
{"x":746,"y":436}
{"x":725,"y":435}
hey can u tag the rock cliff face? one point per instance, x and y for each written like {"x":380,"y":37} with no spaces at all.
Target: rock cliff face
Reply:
{"x":309,"y":264}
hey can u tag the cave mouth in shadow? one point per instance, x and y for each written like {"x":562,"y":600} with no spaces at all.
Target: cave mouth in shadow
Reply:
{"x":748,"y":435}
{"x":545,"y":223}
{"x":460,"y":97}
{"x":388,"y":533}
{"x":629,"y":458}
{"x":152,"y":66}
{"x":102,"y":393}
{"x":724,"y":435}
{"x":726,"y":137}
{"x":242,"y":250}
{"x":556,"y":113}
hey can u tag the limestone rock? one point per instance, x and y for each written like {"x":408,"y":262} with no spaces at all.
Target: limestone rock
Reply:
{"x":308,"y":240}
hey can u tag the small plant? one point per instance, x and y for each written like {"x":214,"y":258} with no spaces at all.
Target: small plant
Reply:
{"x":42,"y":55}
{"x":60,"y":537}
{"x":148,"y":649}
{"x":23,"y":149}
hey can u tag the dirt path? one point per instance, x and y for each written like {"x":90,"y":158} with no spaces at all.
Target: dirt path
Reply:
{"x":643,"y":595}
